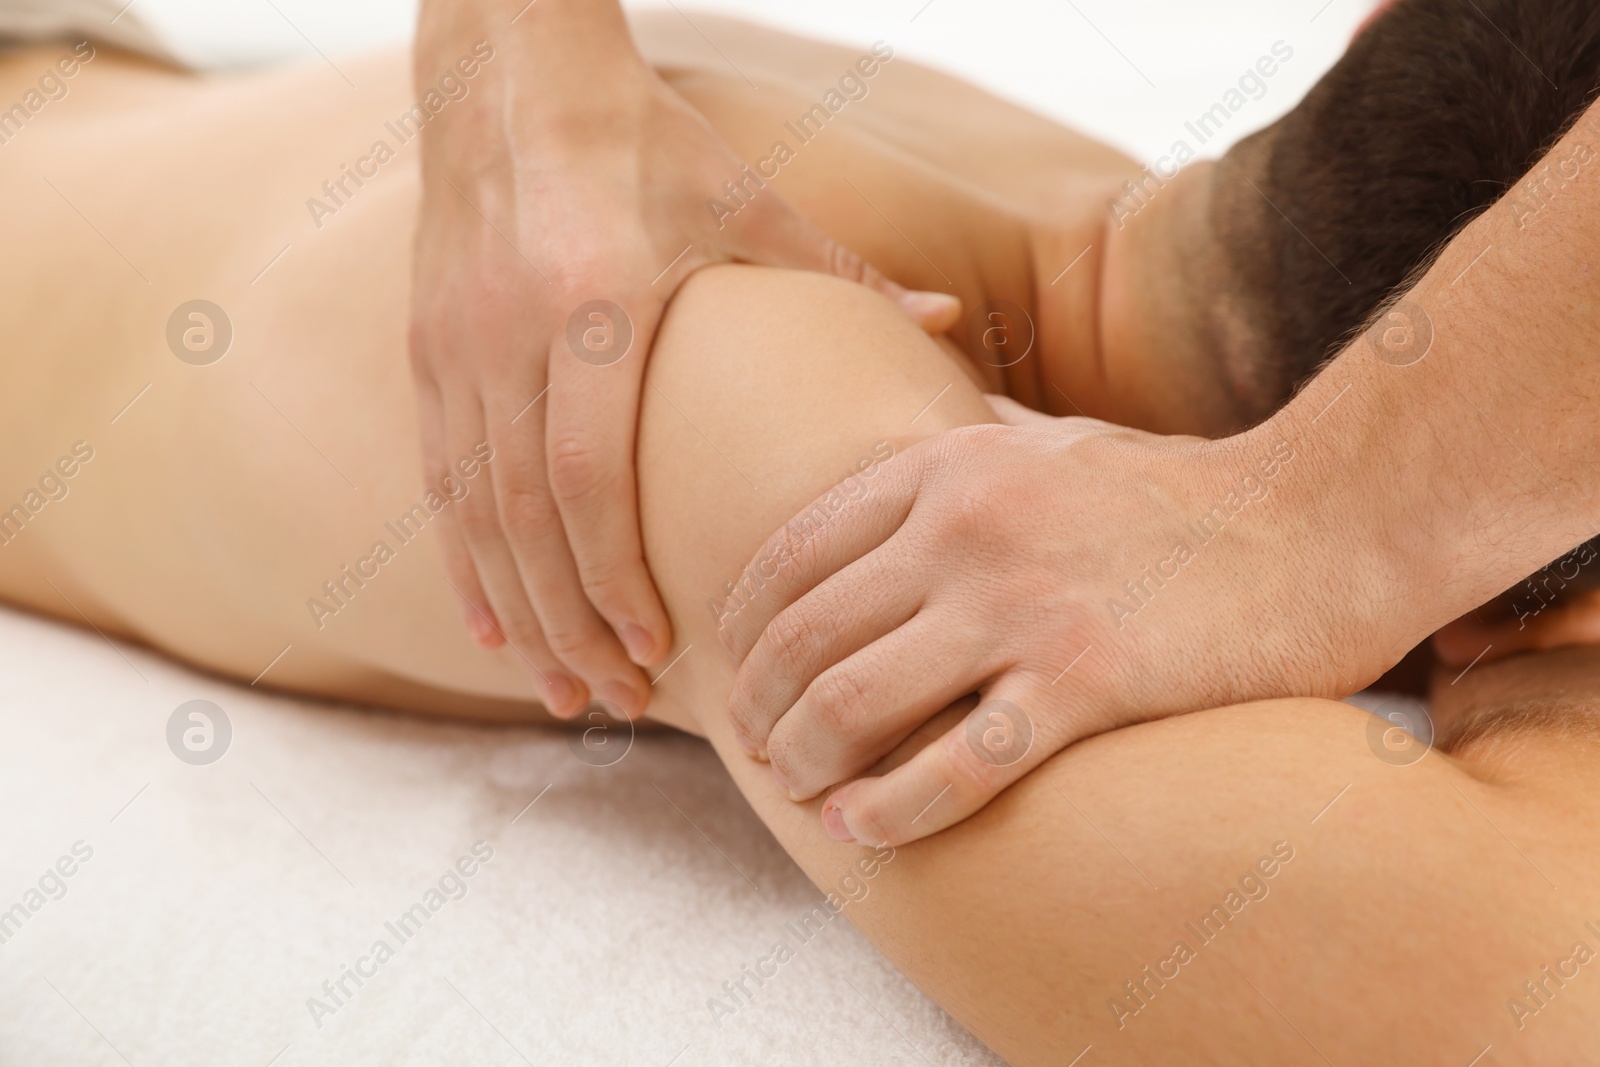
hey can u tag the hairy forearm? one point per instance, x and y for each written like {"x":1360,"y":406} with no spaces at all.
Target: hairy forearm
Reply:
{"x":1461,"y":472}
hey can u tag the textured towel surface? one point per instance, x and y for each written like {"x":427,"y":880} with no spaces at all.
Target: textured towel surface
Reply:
{"x":215,"y":900}
{"x":207,"y":904}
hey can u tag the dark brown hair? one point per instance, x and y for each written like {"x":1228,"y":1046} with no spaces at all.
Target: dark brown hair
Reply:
{"x":1436,"y":110}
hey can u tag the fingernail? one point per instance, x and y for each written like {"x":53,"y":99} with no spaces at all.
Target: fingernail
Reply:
{"x":625,"y":697}
{"x":637,"y":640}
{"x":482,"y":628}
{"x":833,"y":822}
{"x":562,"y":692}
{"x":783,"y":781}
{"x":922,"y":305}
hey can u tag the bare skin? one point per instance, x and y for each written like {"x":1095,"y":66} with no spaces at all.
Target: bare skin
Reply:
{"x":575,"y":148}
{"x":219,"y":502}
{"x":1442,"y":457}
{"x":994,"y":242}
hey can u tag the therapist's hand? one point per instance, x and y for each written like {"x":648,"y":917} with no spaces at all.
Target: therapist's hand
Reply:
{"x":564,"y":199}
{"x":994,"y":559}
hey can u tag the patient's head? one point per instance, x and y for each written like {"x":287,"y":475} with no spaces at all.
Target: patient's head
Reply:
{"x":1503,"y":678}
{"x":1558,"y":606}
{"x":1436,"y":109}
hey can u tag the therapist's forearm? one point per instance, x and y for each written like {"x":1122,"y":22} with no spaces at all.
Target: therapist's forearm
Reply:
{"x":1476,"y":465}
{"x":569,"y":56}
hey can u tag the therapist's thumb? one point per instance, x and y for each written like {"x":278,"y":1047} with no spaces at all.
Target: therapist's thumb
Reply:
{"x":779,"y":236}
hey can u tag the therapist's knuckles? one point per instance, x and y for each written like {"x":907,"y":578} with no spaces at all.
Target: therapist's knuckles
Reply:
{"x":522,"y":509}
{"x":754,"y":713}
{"x":792,"y":651}
{"x":801,"y":682}
{"x":791,"y":778}
{"x":751,"y":727}
{"x":748,"y":711}
{"x":583,"y":470}
{"x":807,"y":761}
{"x":607,"y":581}
{"x":838,"y":704}
{"x":784,"y":566}
{"x":822,"y":733}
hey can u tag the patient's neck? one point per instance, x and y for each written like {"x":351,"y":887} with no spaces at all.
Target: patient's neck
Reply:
{"x":1521,"y":716}
{"x":1570,"y":673}
{"x":1156,"y":354}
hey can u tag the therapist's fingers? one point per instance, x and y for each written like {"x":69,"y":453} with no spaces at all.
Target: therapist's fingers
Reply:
{"x":829,"y":534}
{"x":957,"y":774}
{"x":847,"y":612}
{"x":477,"y":520}
{"x":463,"y":578}
{"x":546,"y":573}
{"x":856,"y":712}
{"x":458,"y":566}
{"x":596,"y":374}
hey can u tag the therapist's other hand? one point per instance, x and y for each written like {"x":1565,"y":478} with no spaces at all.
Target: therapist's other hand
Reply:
{"x":568,"y":173}
{"x":1058,"y":567}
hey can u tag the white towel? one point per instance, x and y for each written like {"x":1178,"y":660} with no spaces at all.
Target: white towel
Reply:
{"x":217,"y":899}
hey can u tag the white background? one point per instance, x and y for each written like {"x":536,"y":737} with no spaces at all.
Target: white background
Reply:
{"x":1129,"y":73}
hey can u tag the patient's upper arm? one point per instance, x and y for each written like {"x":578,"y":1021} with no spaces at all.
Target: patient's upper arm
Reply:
{"x":1415,"y":897}
{"x":1411,"y":899}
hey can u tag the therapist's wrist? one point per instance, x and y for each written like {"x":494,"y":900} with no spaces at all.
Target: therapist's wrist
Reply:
{"x":1367,"y":560}
{"x":553,"y":58}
